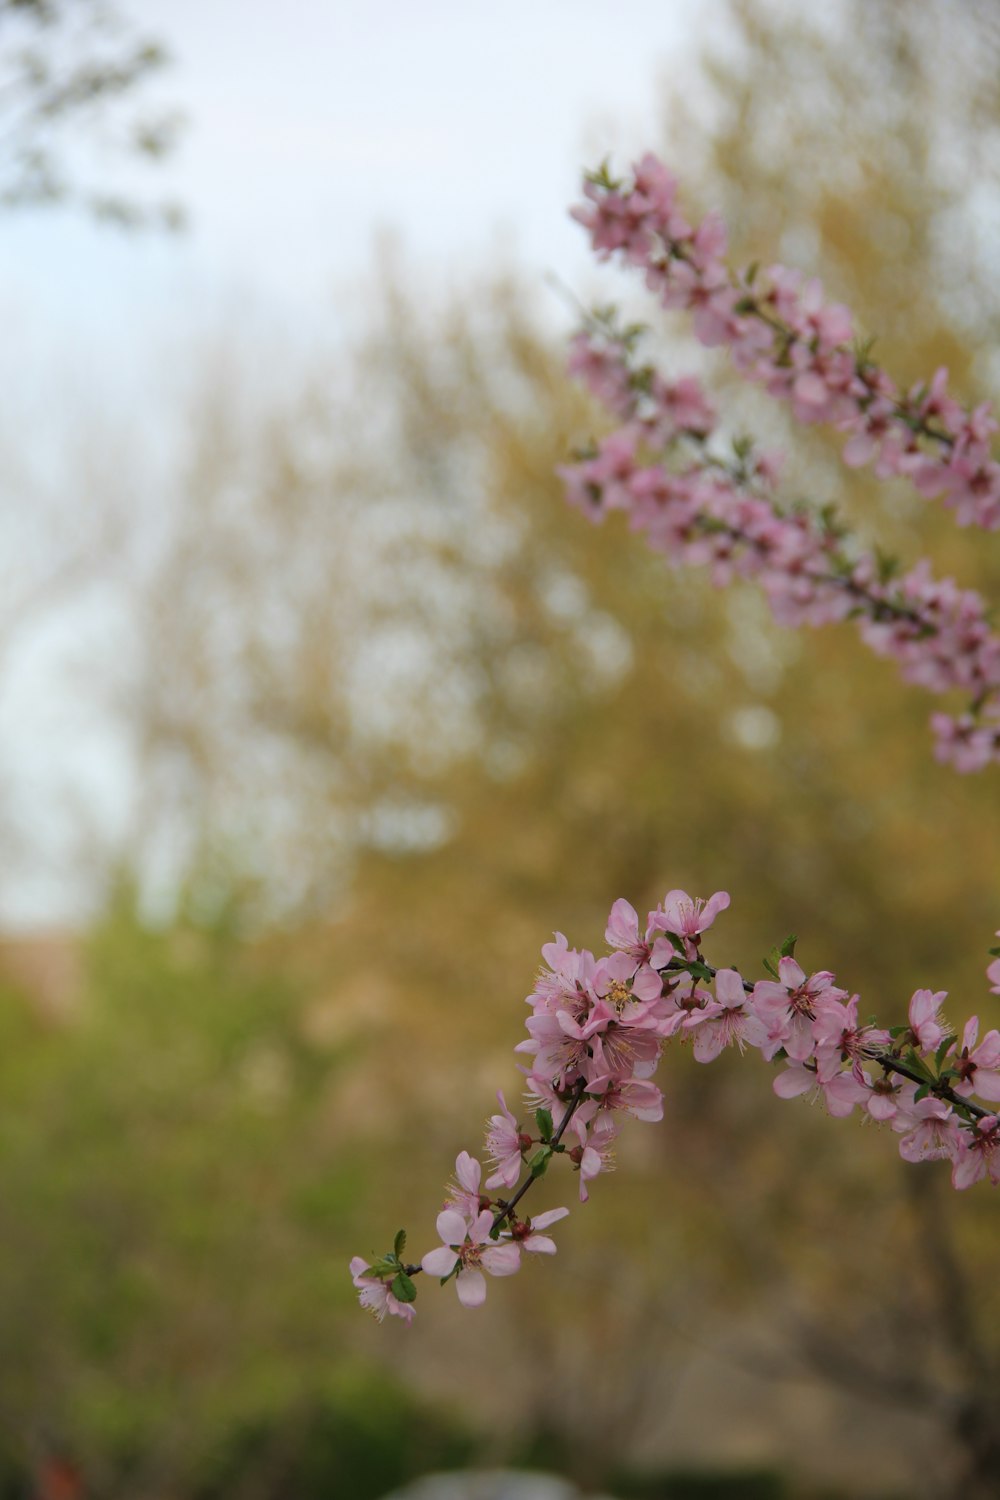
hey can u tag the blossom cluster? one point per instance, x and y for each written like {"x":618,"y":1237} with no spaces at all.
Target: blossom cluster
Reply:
{"x":596,"y":1030}
{"x":698,"y":508}
{"x":784,"y":334}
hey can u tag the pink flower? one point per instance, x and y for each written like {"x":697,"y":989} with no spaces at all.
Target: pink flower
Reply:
{"x":464,"y":1193}
{"x":841,"y":1092}
{"x":839,"y":1038}
{"x":467,"y":1243}
{"x":637,"y":1096}
{"x":594,"y":1154}
{"x":977,"y":1154}
{"x":687,"y":917}
{"x":993,"y":975}
{"x":925,"y":1024}
{"x":787,"y":1008}
{"x":505,"y":1142}
{"x":932,"y":1132}
{"x":376,"y":1296}
{"x":529,"y":1238}
{"x":568,"y":975}
{"x":978,"y":1068}
{"x":725,"y":1020}
{"x":623,"y":931}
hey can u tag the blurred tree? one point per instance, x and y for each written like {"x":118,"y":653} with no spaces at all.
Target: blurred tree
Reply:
{"x":413,"y":713}
{"x":70,"y":71}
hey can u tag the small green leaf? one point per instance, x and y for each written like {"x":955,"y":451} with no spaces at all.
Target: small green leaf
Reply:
{"x":543,"y":1119}
{"x":399,"y":1244}
{"x":943,"y":1050}
{"x":540,"y":1161}
{"x":995,"y":952}
{"x":897,"y":1030}
{"x":787,"y":949}
{"x":403,"y":1289}
{"x":922,"y":1092}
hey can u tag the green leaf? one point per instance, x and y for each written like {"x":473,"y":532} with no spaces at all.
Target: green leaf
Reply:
{"x":888,"y":566}
{"x":399,"y":1244}
{"x":995,"y":952}
{"x":773,"y":959}
{"x":698,"y":970}
{"x":922,"y":1092}
{"x":543,"y":1119}
{"x":602,"y":176}
{"x":540,"y":1161}
{"x":787,"y":949}
{"x":942,"y":1051}
{"x":403,"y":1289}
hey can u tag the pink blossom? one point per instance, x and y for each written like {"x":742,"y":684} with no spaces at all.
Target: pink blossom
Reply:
{"x":376,"y":1296}
{"x":594,"y":1154}
{"x":505,"y":1144}
{"x":841,"y":1092}
{"x":623,"y":931}
{"x":839,"y":1038}
{"x":787,"y":1007}
{"x":978,"y":1068}
{"x":464,"y":1192}
{"x":688,"y":917}
{"x":637,"y":1096}
{"x":926,"y":1027}
{"x":977,"y":1154}
{"x":725,"y":1020}
{"x":993,"y":975}
{"x":528,"y":1234}
{"x":932,"y":1132}
{"x":466,"y":1243}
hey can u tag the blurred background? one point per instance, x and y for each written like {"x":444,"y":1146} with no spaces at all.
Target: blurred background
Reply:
{"x":320,"y":711}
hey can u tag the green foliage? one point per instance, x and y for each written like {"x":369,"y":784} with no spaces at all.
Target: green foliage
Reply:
{"x":361,"y":1440}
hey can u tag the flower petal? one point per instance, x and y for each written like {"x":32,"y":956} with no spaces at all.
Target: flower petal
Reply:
{"x":451,"y":1226}
{"x":440,"y":1262}
{"x":471,"y":1287}
{"x":501,"y":1260}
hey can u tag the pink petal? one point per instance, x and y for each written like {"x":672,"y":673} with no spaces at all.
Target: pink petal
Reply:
{"x":713,"y":906}
{"x":647,"y":984}
{"x":439,"y":1262}
{"x":451,"y":1226}
{"x":479,"y":1229}
{"x":792,"y":1082}
{"x":623,"y":925}
{"x":729,"y":988}
{"x":550,"y":1217}
{"x":502,"y":1260}
{"x":986,"y":1084}
{"x":539,"y":1244}
{"x":468,"y":1171}
{"x":709,"y":1042}
{"x":471,"y":1288}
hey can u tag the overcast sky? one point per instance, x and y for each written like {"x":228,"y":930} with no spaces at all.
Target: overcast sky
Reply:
{"x":312,"y":125}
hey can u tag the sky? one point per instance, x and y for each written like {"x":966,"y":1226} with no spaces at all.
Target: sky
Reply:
{"x":311,"y":128}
